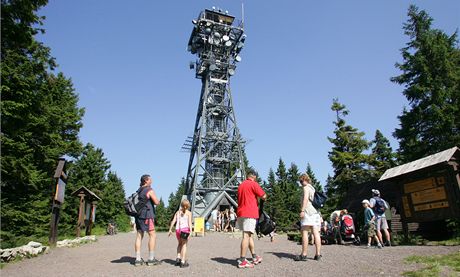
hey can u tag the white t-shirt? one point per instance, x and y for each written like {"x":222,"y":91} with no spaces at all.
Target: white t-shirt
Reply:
{"x":214,"y":214}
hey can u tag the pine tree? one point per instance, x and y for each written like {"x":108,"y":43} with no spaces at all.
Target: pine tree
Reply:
{"x":347,"y":157}
{"x":174,"y":200}
{"x":382,"y":156}
{"x":161,"y":216}
{"x":40,"y":122}
{"x":431,"y":79}
{"x":314,"y":181}
{"x":92,"y":170}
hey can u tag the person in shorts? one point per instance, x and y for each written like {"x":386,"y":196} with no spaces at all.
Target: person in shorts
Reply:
{"x":310,"y":219}
{"x":248,"y":212}
{"x":183,"y":221}
{"x":215,"y":222}
{"x":232,"y":220}
{"x":380,"y":206}
{"x":145,"y":222}
{"x":369,"y":224}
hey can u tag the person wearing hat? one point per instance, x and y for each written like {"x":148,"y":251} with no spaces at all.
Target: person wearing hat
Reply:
{"x":379,"y":206}
{"x":369,"y":224}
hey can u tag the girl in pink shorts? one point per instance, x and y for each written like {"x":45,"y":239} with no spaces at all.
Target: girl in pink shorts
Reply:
{"x":183,"y":221}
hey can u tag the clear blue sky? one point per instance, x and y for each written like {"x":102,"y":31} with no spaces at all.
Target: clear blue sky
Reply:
{"x":129,"y":64}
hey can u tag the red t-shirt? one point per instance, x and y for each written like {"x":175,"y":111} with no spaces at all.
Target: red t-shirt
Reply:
{"x":248,"y":191}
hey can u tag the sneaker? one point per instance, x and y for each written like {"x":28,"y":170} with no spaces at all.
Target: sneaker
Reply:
{"x":388,"y":243}
{"x":178,"y":261}
{"x":138,"y":262}
{"x":379,"y":246}
{"x":184,"y":264}
{"x":300,"y":258}
{"x":257,"y":260}
{"x":368,"y":246}
{"x":317,"y":258}
{"x":153,"y":262}
{"x":245,"y":264}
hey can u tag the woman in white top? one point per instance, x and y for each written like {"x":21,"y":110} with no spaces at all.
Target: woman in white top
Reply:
{"x":183,"y":221}
{"x":310,"y":219}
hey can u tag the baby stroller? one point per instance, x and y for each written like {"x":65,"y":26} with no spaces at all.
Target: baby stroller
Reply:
{"x":348,"y":230}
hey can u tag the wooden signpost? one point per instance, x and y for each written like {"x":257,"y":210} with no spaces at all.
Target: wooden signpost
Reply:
{"x":60,"y":178}
{"x":87,"y":209}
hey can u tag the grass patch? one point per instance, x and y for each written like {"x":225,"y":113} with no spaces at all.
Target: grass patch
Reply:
{"x":449,"y":242}
{"x":434,"y":265}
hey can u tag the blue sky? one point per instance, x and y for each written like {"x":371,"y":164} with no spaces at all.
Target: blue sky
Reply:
{"x":129,"y":65}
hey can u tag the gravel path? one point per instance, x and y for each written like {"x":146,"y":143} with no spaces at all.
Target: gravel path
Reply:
{"x":215,"y":255}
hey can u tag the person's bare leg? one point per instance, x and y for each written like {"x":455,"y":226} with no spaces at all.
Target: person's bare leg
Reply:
{"x":304,"y":242}
{"x":179,"y":248}
{"x":379,"y":236}
{"x":317,"y":241}
{"x":387,"y":235}
{"x":152,"y":240}
{"x":244,"y":244}
{"x":183,"y":250}
{"x":137,"y":245}
{"x":251,"y":244}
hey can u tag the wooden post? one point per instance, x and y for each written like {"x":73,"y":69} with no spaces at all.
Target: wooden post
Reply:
{"x":57,"y":199}
{"x":91,"y":221}
{"x":81,"y":216}
{"x":54,"y":223}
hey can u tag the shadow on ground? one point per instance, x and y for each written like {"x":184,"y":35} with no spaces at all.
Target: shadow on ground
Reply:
{"x":223,"y":260}
{"x":123,"y":260}
{"x":169,"y":261}
{"x":282,"y":255}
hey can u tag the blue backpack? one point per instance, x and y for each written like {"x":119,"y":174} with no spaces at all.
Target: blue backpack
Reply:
{"x":379,"y":207}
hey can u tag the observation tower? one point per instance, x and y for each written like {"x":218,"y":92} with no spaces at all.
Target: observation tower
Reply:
{"x":216,"y":165}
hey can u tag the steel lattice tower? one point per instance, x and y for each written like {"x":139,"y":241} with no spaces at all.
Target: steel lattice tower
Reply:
{"x":216,"y":165}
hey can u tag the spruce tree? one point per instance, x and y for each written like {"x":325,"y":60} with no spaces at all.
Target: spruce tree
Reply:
{"x":314,"y":181}
{"x":161,"y":216}
{"x":382,"y":156}
{"x":174,"y":200}
{"x":40,"y":123}
{"x":431,"y":79}
{"x":347,"y":157}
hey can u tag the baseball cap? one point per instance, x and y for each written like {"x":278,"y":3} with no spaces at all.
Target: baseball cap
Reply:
{"x":365,"y":201}
{"x":375,"y":192}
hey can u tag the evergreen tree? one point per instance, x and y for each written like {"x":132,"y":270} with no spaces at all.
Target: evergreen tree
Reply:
{"x":314,"y":181}
{"x":111,"y":207}
{"x":174,"y":200}
{"x":92,"y":170}
{"x":347,"y":157}
{"x":284,"y":196}
{"x":271,"y":181}
{"x":161,"y":216}
{"x":40,"y":122}
{"x":382,"y":156}
{"x":431,"y":79}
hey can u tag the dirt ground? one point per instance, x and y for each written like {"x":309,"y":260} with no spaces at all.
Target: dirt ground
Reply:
{"x":215,"y":255}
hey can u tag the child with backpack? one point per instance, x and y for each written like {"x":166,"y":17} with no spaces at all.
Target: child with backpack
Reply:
{"x":369,"y":224}
{"x":183,"y":221}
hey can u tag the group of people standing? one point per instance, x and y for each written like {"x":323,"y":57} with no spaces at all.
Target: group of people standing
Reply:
{"x":224,"y":221}
{"x":249,"y":194}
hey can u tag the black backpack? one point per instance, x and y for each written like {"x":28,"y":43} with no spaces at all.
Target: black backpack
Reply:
{"x":379,"y":206}
{"x":319,"y":199}
{"x":265,"y":225}
{"x":135,"y":203}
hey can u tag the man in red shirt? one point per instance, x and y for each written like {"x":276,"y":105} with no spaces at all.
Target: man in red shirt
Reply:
{"x":248,"y":212}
